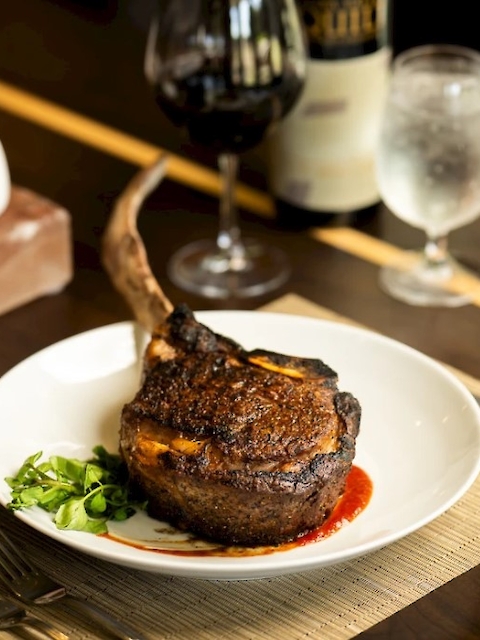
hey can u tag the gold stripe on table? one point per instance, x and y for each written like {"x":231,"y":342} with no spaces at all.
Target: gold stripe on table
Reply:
{"x":73,"y":125}
{"x":382,"y":253}
{"x":138,"y":152}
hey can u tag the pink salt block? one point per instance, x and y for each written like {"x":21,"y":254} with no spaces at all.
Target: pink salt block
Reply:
{"x":36,"y":256}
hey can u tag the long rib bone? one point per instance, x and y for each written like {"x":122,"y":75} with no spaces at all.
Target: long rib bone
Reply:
{"x":124,"y":255}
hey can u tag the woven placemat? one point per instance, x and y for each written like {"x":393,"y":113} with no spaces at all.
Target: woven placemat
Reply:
{"x":332,"y":603}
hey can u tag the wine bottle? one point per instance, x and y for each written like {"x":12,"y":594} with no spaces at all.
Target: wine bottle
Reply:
{"x":321,"y":157}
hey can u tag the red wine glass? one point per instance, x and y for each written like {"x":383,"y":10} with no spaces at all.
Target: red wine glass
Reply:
{"x":226,"y":70}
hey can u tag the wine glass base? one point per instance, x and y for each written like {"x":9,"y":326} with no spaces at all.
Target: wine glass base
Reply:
{"x":409,"y":280}
{"x":201,"y":268}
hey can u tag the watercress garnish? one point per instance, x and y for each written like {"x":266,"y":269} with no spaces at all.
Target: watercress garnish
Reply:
{"x":84,"y":495}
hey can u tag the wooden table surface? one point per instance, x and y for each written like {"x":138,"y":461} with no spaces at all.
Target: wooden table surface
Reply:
{"x":85,"y":58}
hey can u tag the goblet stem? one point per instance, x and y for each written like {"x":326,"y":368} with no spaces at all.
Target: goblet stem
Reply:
{"x":229,"y":238}
{"x":228,"y":267}
{"x":436,"y":250}
{"x":438,"y":263}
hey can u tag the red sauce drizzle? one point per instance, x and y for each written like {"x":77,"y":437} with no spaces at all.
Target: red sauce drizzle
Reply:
{"x":357,"y":494}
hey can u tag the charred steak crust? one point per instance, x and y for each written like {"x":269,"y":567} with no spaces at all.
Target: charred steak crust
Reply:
{"x":249,"y":448}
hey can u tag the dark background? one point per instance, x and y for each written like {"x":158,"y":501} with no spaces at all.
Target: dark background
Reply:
{"x":415,"y":22}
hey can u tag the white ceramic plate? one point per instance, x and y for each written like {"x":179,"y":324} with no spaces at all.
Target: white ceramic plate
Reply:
{"x":419,"y":439}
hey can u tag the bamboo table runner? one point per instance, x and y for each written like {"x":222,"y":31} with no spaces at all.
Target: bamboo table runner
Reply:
{"x":331,"y":603}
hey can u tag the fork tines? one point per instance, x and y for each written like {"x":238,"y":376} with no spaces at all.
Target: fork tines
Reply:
{"x":11,"y":561}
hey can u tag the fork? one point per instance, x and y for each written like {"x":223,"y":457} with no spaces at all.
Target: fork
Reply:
{"x":29,"y":584}
{"x":12,"y":615}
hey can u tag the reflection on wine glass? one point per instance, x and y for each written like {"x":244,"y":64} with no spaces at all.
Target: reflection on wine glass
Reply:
{"x":227,"y":70}
{"x":428,"y":166}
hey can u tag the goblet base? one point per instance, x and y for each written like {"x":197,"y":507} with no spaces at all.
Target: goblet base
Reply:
{"x":251,"y":270}
{"x":416,"y":281}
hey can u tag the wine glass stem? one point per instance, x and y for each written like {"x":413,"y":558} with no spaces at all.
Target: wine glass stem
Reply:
{"x":228,"y":238}
{"x":437,"y":261}
{"x":436,"y":250}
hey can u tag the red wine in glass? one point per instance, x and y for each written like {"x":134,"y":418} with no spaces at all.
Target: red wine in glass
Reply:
{"x":226,"y":71}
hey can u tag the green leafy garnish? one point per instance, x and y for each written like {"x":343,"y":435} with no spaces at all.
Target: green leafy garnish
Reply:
{"x":84,"y":495}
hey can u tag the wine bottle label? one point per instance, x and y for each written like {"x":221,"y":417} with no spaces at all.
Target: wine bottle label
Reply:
{"x":344,"y":28}
{"x":321,"y":156}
